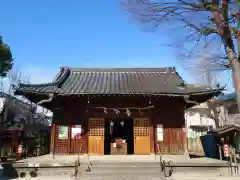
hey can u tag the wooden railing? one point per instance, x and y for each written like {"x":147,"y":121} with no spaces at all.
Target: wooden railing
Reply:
{"x":235,"y":159}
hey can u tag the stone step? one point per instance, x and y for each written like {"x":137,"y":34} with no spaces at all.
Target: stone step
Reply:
{"x":125,"y":170}
{"x":132,"y":168}
{"x":151,"y":168}
{"x":87,"y":169}
{"x":92,"y":174}
{"x":31,"y":172}
{"x":126,"y":164}
{"x":48,"y":170}
{"x":109,"y":169}
{"x":216,"y":171}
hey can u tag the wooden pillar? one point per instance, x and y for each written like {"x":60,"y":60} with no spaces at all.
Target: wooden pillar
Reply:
{"x":155,"y":138}
{"x":70,"y":140}
{"x":54,"y":142}
{"x":53,"y":138}
{"x":185,"y":139}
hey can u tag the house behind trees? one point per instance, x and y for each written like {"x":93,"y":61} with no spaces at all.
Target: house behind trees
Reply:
{"x":229,"y":113}
{"x":19,"y":124}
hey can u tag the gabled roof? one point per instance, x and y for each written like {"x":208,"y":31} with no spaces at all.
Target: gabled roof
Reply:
{"x":226,"y":129}
{"x":151,"y":81}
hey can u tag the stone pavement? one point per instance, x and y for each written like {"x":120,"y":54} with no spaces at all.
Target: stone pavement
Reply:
{"x":182,"y":159}
{"x":174,"y":177}
{"x":207,"y":171}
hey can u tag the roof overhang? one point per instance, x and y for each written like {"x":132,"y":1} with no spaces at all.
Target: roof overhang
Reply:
{"x":227,"y":129}
{"x":198,"y":98}
{"x":36,"y":97}
{"x":200,"y":127}
{"x":192,"y":99}
{"x":152,"y":82}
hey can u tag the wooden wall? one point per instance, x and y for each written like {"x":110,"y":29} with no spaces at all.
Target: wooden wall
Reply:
{"x":168,"y":112}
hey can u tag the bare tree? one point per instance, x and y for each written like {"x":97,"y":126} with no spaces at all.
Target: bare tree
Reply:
{"x":8,"y":85}
{"x":205,"y":76}
{"x":18,"y":112}
{"x":198,"y":22}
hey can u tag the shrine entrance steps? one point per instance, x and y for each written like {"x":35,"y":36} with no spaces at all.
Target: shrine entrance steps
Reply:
{"x":115,"y":165}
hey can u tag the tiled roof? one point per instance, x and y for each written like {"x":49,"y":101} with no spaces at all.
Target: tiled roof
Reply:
{"x":226,"y":129}
{"x":115,"y":81}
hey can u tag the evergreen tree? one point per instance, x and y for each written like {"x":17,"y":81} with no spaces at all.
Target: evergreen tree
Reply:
{"x":6,"y":60}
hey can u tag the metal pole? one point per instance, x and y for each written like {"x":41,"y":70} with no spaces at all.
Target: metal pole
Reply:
{"x":220,"y":152}
{"x":79,"y":155}
{"x":54,"y":141}
{"x":235,"y":160}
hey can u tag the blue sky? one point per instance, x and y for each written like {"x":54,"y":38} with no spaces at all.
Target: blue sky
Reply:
{"x":45,"y":35}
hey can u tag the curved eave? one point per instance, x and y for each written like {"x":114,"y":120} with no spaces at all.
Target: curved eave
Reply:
{"x":227,"y":97}
{"x":207,"y":91}
{"x":41,"y":91}
{"x":36,"y":97}
{"x":53,"y":89}
{"x":39,"y":88}
{"x":201,"y":97}
{"x":45,"y":88}
{"x":21,"y":92}
{"x":196,"y":97}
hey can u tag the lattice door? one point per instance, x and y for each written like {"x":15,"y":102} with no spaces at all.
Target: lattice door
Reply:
{"x":141,"y":136}
{"x":96,"y":136}
{"x":176,"y":141}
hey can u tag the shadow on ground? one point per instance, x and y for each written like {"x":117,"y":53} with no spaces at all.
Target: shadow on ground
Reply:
{"x":9,"y":172}
{"x":192,"y":156}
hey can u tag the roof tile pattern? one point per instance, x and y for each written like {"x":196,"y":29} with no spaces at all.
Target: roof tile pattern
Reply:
{"x":114,"y":81}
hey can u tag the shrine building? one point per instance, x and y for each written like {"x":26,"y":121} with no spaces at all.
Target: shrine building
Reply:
{"x":117,"y":110}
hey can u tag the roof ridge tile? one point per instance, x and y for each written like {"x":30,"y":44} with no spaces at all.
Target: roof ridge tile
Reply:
{"x":117,"y":70}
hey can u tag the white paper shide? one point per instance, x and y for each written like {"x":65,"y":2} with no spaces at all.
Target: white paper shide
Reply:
{"x":159,"y":132}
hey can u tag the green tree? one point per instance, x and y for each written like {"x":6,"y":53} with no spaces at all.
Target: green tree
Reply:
{"x":199,"y":22}
{"x":6,"y":60}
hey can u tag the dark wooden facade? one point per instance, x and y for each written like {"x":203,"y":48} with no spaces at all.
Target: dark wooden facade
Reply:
{"x":168,"y":112}
{"x":81,"y":96}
